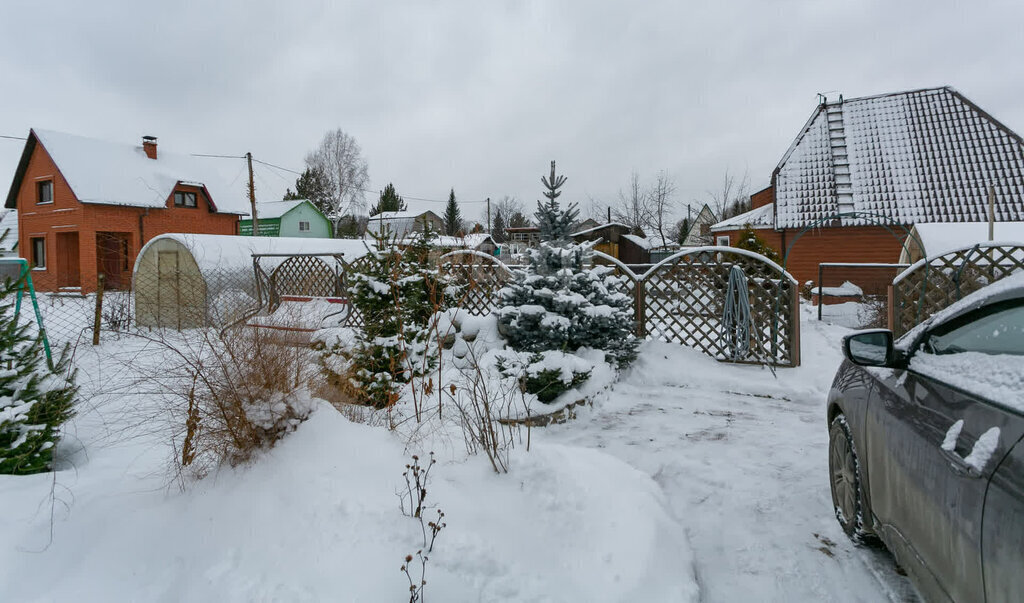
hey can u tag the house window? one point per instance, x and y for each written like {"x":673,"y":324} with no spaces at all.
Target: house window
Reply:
{"x":303,"y":226}
{"x":39,"y":252}
{"x":184,"y":199}
{"x":722,"y":240}
{"x":124,"y":253}
{"x":44,"y":192}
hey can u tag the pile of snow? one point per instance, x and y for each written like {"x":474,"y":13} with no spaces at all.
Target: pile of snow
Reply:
{"x":317,"y":517}
{"x":847,"y":289}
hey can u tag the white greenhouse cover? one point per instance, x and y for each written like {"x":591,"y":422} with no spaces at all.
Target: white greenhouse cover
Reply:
{"x":221,"y":252}
{"x":940,"y":237}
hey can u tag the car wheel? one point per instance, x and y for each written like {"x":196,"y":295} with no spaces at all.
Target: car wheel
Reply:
{"x":847,"y":493}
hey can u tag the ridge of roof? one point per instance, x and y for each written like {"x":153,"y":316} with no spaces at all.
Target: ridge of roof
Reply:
{"x":115,"y":173}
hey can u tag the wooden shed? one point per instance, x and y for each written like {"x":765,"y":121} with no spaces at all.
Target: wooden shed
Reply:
{"x":188,"y":281}
{"x":615,"y":240}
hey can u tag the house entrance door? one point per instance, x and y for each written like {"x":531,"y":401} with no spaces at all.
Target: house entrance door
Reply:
{"x":68,"y":268}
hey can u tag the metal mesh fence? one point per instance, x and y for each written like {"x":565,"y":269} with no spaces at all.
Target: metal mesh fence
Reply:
{"x":854,"y":294}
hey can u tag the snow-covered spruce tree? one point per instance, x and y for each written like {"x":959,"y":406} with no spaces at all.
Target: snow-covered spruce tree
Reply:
{"x":397,"y":294}
{"x":34,"y":400}
{"x":555,"y":224}
{"x":556,"y":303}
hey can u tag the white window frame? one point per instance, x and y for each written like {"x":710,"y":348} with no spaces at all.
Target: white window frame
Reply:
{"x":722,"y":240}
{"x":303,"y":226}
{"x":39,"y":185}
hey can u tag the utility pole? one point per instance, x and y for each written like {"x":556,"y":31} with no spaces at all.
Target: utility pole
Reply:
{"x":488,"y":215}
{"x":609,"y":214}
{"x":252,"y":196}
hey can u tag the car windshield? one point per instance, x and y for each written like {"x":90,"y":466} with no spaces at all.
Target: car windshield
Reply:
{"x":994,"y":332}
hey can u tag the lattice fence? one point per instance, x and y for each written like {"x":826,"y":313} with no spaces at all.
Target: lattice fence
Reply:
{"x":682,"y":300}
{"x":481,"y":276}
{"x":936,"y":282}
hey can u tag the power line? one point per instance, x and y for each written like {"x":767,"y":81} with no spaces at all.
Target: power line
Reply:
{"x":13,"y":137}
{"x":365,"y":190}
{"x":219,"y":156}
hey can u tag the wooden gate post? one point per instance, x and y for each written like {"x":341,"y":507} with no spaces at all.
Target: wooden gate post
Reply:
{"x":640,"y":307}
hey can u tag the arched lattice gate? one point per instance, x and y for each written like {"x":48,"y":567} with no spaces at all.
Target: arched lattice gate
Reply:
{"x":683,"y":299}
{"x":732,"y":304}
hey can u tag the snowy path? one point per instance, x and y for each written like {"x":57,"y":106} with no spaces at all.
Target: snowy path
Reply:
{"x":742,"y":458}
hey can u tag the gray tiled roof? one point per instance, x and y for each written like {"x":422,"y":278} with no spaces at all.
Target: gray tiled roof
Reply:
{"x":919,"y":156}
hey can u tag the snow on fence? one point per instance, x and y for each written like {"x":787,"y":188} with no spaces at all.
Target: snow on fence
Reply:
{"x":679,"y":300}
{"x":936,"y":282}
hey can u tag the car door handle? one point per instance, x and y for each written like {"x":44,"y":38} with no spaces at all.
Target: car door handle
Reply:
{"x":959,"y":465}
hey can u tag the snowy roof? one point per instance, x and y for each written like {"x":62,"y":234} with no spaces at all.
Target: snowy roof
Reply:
{"x":762,"y":217}
{"x":911,"y":157}
{"x":399,"y":215}
{"x":599,"y":227}
{"x":112,"y":173}
{"x":470,"y":241}
{"x":276,"y":209}
{"x":639,"y":241}
{"x":9,"y":230}
{"x":225,"y":252}
{"x":940,"y":237}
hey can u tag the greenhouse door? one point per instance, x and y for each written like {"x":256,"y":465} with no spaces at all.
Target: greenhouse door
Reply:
{"x":168,"y":291}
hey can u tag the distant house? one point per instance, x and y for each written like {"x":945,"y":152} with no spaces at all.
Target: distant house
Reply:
{"x":443,"y":244}
{"x":295,"y":218}
{"x":398,"y":224}
{"x":86,"y":206}
{"x":863,"y":171}
{"x":9,"y":233}
{"x":616,"y":240}
{"x":699,"y":233}
{"x":522,"y":237}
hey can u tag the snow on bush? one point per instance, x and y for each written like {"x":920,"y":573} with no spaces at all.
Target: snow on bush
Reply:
{"x":557,"y":304}
{"x":34,"y":400}
{"x":396,"y":294}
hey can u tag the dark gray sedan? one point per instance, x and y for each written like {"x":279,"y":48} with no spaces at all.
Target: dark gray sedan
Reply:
{"x":925,"y":445}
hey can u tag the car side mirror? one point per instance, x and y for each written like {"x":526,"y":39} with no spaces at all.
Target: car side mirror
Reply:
{"x":870,"y":348}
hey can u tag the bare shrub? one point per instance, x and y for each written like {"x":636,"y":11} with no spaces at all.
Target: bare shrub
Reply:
{"x":413,"y":503}
{"x":232,"y":394}
{"x":480,"y":401}
{"x":874,"y":312}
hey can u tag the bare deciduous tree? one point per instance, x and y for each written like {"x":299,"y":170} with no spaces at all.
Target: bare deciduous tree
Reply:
{"x":731,"y":198}
{"x":660,"y":205}
{"x":340,"y":158}
{"x":634,"y":206}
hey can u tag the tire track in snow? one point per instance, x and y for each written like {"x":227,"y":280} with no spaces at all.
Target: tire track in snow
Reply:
{"x":744,"y":469}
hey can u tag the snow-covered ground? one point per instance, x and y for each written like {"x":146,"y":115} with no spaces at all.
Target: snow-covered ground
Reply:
{"x":687,"y":480}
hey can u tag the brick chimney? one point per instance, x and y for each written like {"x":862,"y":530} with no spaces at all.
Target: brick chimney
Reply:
{"x":149,"y":146}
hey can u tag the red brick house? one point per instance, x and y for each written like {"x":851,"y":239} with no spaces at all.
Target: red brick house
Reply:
{"x":862,"y":167}
{"x":87,"y":206}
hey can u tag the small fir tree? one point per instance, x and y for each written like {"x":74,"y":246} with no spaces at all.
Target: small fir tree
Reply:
{"x":452,"y":216}
{"x":749,"y":240}
{"x":555,"y":224}
{"x":396,"y":294}
{"x":389,"y":200}
{"x":34,"y":400}
{"x":556,"y":303}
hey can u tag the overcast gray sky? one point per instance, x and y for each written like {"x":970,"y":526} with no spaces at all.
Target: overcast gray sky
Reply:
{"x":480,"y":96}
